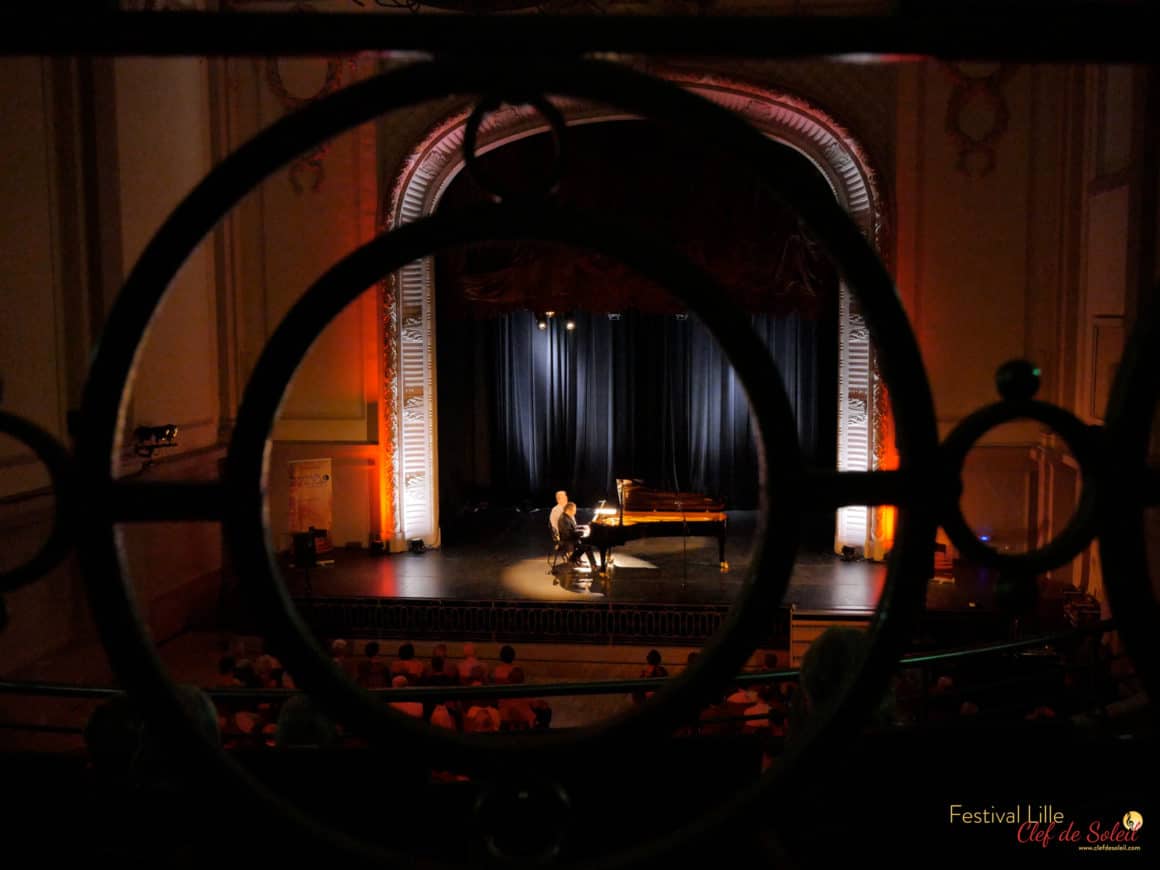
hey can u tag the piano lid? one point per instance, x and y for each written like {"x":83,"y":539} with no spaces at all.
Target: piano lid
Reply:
{"x":634,"y":496}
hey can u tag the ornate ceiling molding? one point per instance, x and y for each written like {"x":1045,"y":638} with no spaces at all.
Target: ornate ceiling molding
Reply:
{"x":312,"y":162}
{"x":977,"y":150}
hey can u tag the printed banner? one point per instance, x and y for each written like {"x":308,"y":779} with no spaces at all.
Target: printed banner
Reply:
{"x":311,"y":494}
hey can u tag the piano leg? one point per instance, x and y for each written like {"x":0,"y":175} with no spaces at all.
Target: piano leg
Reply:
{"x":721,"y":550}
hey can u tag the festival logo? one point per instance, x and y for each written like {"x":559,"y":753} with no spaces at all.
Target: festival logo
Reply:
{"x":1045,"y":826}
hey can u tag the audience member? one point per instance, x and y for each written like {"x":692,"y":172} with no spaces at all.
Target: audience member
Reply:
{"x":653,"y":670}
{"x":827,"y":667}
{"x":441,"y":717}
{"x":435,"y":674}
{"x":340,"y":655}
{"x":237,"y":648}
{"x":245,"y":674}
{"x":370,"y":669}
{"x":776,"y":722}
{"x":517,"y":714}
{"x":481,"y":719}
{"x":760,"y":707}
{"x":407,"y":665}
{"x":446,"y":673}
{"x":469,"y":664}
{"x":225,"y":673}
{"x":410,"y":708}
{"x":265,"y":666}
{"x":500,"y":672}
{"x":740,"y":699}
{"x":301,"y":725}
{"x":717,"y":718}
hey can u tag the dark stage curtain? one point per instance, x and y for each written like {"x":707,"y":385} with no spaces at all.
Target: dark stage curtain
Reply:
{"x":525,"y":411}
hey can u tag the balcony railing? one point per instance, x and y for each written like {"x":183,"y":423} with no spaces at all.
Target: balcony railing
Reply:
{"x":521,"y":59}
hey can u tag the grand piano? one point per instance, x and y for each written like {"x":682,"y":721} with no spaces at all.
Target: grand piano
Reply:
{"x":658,"y":513}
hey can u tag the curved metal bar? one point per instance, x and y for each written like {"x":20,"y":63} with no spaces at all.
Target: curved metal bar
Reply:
{"x":900,"y":363}
{"x":1083,"y":33}
{"x":1124,"y":496}
{"x":600,"y":687}
{"x":164,"y":501}
{"x":59,"y":464}
{"x":828,"y":490}
{"x":1080,"y":529}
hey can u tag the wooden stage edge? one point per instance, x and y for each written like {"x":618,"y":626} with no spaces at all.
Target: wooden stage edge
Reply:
{"x":663,"y":591}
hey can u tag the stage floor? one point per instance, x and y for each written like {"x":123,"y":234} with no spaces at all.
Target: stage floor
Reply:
{"x":506,"y":558}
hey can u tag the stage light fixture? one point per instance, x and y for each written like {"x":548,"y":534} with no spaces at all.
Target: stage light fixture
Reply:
{"x":148,"y":439}
{"x":569,"y":324}
{"x":542,"y":322}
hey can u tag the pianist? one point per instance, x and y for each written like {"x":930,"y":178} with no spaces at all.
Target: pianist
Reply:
{"x":573,"y":536}
{"x":554,"y":516}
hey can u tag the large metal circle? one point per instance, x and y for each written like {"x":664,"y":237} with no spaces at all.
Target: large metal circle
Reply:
{"x":110,"y":592}
{"x":246,"y":476}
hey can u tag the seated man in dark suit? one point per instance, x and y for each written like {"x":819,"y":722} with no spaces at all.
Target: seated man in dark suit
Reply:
{"x":573,"y":536}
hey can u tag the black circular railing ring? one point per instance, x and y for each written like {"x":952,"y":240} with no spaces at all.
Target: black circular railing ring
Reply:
{"x":496,"y":187}
{"x":340,"y":286}
{"x":58,"y":463}
{"x":1073,"y":538}
{"x":129,"y":648}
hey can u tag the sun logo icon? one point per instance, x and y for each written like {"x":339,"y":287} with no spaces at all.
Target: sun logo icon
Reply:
{"x":1133,"y":821}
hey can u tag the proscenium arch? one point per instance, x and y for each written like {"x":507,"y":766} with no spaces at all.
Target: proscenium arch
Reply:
{"x":410,"y":473}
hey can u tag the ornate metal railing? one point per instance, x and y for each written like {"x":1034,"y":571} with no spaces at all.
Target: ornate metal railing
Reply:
{"x":943,"y":660}
{"x":522,"y":61}
{"x":524,"y":621}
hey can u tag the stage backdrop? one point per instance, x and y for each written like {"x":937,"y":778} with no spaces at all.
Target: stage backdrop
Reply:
{"x":642,"y":393}
{"x":525,"y":411}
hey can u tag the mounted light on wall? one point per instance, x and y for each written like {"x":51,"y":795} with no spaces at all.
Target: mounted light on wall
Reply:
{"x":149,"y":439}
{"x":542,"y":321}
{"x":569,"y":323}
{"x":614,"y":315}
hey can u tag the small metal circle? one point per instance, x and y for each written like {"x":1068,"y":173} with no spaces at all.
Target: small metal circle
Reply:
{"x":1017,"y":380}
{"x":523,"y":822}
{"x":59,"y":464}
{"x":1078,"y":532}
{"x":495,"y":187}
